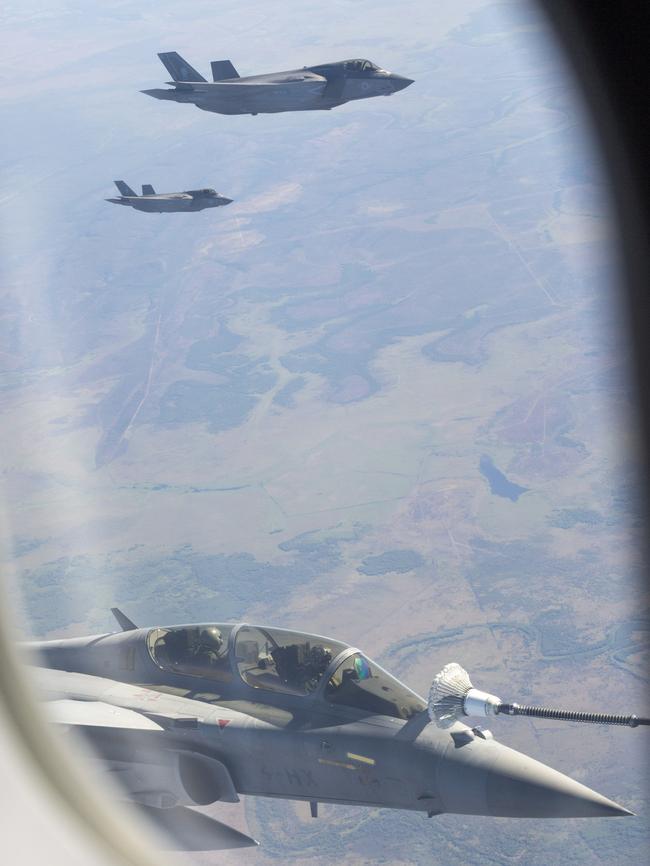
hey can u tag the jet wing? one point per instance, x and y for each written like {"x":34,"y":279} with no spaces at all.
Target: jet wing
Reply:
{"x":100,"y":700}
{"x":187,"y":830}
{"x":71,"y":713}
{"x":144,"y":740}
{"x":293,"y":76}
{"x":57,"y":685}
{"x":260,"y":84}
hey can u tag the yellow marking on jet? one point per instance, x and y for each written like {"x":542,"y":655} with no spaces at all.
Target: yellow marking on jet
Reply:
{"x":362,"y":758}
{"x":336,"y":764}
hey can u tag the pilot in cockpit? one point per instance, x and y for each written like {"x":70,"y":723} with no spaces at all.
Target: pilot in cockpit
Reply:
{"x":301,"y":666}
{"x":206,"y":651}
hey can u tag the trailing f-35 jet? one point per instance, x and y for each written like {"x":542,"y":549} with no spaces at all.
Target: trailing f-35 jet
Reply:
{"x":190,"y":715}
{"x":308,"y":89}
{"x":167,"y":202}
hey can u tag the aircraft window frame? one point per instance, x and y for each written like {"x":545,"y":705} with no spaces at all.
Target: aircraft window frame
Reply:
{"x":418,"y":704}
{"x":360,"y":65}
{"x":270,"y":680}
{"x":222,"y":671}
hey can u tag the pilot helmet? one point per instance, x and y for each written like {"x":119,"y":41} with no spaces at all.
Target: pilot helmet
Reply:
{"x":212,"y":635}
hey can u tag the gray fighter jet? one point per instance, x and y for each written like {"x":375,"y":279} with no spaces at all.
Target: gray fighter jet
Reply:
{"x":308,"y":89}
{"x":193,"y":714}
{"x":168,"y":202}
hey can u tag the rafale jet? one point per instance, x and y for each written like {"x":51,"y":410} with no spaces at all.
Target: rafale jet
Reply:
{"x":189,"y":715}
{"x":168,"y":202}
{"x":308,"y":89}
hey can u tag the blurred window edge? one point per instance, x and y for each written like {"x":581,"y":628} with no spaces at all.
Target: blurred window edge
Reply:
{"x":104,"y":827}
{"x":607,"y":49}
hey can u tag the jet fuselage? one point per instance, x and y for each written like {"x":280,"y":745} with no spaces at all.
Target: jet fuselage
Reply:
{"x":351,"y":734}
{"x":176,"y":202}
{"x":314,"y":88}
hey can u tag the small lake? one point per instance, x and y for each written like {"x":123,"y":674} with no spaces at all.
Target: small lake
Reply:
{"x":499,"y":484}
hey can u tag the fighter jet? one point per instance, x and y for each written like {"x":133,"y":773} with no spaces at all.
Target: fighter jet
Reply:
{"x":190,"y":715}
{"x":168,"y":202}
{"x":308,"y":89}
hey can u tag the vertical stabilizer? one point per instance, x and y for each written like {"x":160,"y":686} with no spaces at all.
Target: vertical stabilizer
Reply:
{"x":223,"y":70}
{"x":124,"y":188}
{"x":147,"y":189}
{"x":123,"y":621}
{"x":179,"y":69}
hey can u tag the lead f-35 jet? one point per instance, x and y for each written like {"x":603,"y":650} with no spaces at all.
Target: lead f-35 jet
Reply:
{"x":308,"y":89}
{"x":168,"y":202}
{"x":190,"y":715}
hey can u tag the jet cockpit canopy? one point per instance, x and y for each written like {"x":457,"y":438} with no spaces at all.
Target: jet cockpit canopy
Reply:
{"x":197,"y":650}
{"x":357,"y":67}
{"x":201,"y":192}
{"x":360,"y":66}
{"x":285,"y":662}
{"x":361,"y":683}
{"x":301,"y":664}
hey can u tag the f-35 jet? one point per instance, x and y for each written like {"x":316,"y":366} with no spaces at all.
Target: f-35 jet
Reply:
{"x":189,"y":715}
{"x":168,"y":202}
{"x":308,"y":89}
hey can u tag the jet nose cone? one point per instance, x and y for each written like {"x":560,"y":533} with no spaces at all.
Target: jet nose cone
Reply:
{"x":481,"y":777}
{"x":225,"y":200}
{"x":519,"y":786}
{"x":399,"y":82}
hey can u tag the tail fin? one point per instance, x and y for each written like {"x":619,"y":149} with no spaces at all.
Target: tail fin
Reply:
{"x":124,"y":188}
{"x":179,"y":69}
{"x":124,"y":622}
{"x":223,"y":69}
{"x":147,"y":189}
